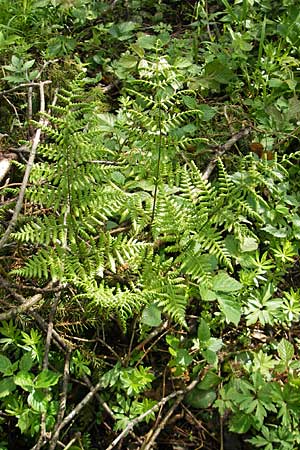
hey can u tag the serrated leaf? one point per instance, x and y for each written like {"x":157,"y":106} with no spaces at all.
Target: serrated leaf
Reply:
{"x":38,"y":400}
{"x":151,"y":315}
{"x":224,"y":283}
{"x":285,"y":350}
{"x":5,"y":365}
{"x":230,"y":308}
{"x":210,"y":356}
{"x":24,"y":379}
{"x":203,"y":331}
{"x":25,"y":420}
{"x":207,"y":112}
{"x":214,"y":344}
{"x":7,"y":386}
{"x":46,"y":379}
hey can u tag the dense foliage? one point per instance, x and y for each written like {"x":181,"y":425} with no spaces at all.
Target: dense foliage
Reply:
{"x":149,"y":224}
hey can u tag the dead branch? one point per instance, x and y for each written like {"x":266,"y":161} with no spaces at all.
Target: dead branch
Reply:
{"x":158,"y":428}
{"x":220,"y":150}
{"x":162,"y":402}
{"x":29,"y":165}
{"x":73,"y":414}
{"x":22,"y":85}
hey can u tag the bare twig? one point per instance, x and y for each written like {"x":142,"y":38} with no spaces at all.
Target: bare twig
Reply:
{"x":73,"y":414}
{"x":154,"y":408}
{"x":158,"y":429}
{"x":22,"y":85}
{"x":27,"y":304}
{"x":151,"y":335}
{"x":220,"y":150}
{"x":63,"y":400}
{"x":29,"y":165}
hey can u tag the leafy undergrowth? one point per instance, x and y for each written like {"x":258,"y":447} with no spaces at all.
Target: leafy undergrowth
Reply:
{"x":150,"y":289}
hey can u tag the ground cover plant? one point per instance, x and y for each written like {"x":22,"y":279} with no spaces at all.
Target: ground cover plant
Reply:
{"x":149,"y":225}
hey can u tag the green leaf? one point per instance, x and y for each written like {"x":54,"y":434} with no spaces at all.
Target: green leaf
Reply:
{"x":26,"y":362}
{"x":200,"y":399}
{"x":128,"y":61}
{"x":230,"y":308}
{"x":207,"y":112}
{"x":28,"y":64}
{"x":207,"y":294}
{"x":210,"y":356}
{"x":24,"y":379}
{"x":46,"y":379}
{"x":214,"y":344}
{"x":223,"y":282}
{"x":151,"y":315}
{"x":182,"y":63}
{"x":26,"y":420}
{"x":210,"y":380}
{"x":276,"y":232}
{"x":38,"y":400}
{"x":7,"y":386}
{"x":146,"y":41}
{"x":138,"y":50}
{"x":285,"y":350}
{"x":248,"y":244}
{"x":106,"y":122}
{"x":5,"y":365}
{"x":240,"y":423}
{"x":203,"y":331}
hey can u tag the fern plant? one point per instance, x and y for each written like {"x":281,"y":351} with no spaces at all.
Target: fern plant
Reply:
{"x":119,"y":217}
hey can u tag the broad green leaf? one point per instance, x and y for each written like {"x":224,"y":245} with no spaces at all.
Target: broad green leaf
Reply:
{"x":219,"y":72}
{"x":28,"y":64}
{"x":207,"y":294}
{"x":224,"y":283}
{"x":285,"y":350}
{"x":106,"y":122}
{"x":182,"y":63}
{"x":128,"y":61}
{"x":26,"y":362}
{"x":28,"y":419}
{"x":190,"y":102}
{"x":151,"y":315}
{"x":46,"y":379}
{"x":276,"y":232}
{"x":230,"y":308}
{"x":24,"y":379}
{"x":200,"y":399}
{"x":210,"y":380}
{"x":7,"y":386}
{"x":5,"y":365}
{"x":248,"y":244}
{"x":240,"y":423}
{"x":138,"y":50}
{"x":38,"y":400}
{"x":210,"y":356}
{"x":146,"y":41}
{"x":214,"y":344}
{"x":207,"y":112}
{"x":203,"y":331}
{"x":118,"y":177}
